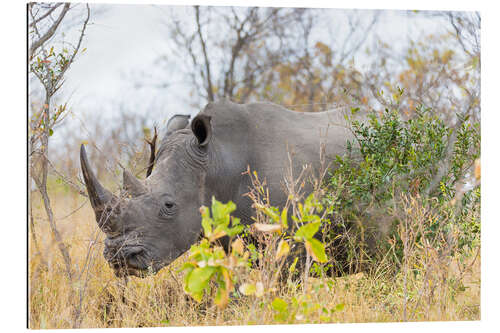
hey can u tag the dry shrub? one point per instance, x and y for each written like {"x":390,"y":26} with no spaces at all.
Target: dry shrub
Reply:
{"x":434,"y":267}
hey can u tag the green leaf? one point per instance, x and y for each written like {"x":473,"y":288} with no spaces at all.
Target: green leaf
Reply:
{"x":188,"y":267}
{"x":292,"y":266}
{"x":221,"y":212}
{"x":235,"y":230}
{"x":316,"y":249}
{"x":329,"y":283}
{"x":279,"y":305}
{"x":311,"y":218}
{"x":220,"y":231}
{"x":284,"y":218}
{"x":51,"y":131}
{"x":216,"y":210}
{"x":283,"y":249}
{"x":197,"y":296}
{"x":206,"y":223}
{"x":199,"y":278}
{"x":270,"y":212}
{"x":307,"y":231}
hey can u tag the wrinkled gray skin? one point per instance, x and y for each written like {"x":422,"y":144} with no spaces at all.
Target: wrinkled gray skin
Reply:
{"x":160,"y":219}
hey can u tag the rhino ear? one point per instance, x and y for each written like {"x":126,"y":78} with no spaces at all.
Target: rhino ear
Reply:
{"x":177,"y":122}
{"x":202,"y":129}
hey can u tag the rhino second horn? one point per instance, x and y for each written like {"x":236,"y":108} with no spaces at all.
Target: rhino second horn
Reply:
{"x":99,"y":196}
{"x":132,"y":185}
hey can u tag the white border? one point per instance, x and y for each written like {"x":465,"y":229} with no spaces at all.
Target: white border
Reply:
{"x":13,"y":158}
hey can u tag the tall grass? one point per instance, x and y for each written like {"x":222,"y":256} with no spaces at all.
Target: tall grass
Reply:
{"x":432,"y":283}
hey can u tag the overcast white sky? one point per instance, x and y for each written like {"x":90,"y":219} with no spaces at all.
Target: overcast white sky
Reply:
{"x":121,"y":39}
{"x":125,"y":39}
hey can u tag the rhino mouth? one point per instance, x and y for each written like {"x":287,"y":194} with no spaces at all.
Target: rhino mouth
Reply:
{"x":130,"y":260}
{"x":131,"y":267}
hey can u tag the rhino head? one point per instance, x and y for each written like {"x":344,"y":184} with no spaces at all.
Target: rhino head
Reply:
{"x":155,"y":220}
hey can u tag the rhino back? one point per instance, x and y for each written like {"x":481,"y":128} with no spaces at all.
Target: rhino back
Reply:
{"x":262,"y":136}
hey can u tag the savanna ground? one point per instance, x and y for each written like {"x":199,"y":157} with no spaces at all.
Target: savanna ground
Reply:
{"x":452,"y":290}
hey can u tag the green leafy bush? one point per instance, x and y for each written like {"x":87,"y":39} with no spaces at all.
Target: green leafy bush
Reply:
{"x":391,"y":157}
{"x":208,"y":261}
{"x":209,"y":265}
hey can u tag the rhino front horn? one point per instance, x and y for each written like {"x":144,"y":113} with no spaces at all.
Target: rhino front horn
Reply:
{"x":132,"y":185}
{"x":98,"y":195}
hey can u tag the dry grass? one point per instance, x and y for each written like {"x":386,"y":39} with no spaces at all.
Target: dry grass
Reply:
{"x":448,"y":291}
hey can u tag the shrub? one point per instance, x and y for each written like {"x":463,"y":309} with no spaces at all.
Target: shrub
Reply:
{"x":209,"y":265}
{"x":391,"y":157}
{"x":208,"y":261}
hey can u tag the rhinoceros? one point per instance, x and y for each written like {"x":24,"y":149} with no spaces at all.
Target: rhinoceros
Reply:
{"x":160,"y":219}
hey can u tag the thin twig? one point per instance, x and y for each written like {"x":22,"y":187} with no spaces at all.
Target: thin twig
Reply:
{"x":49,"y":32}
{"x":152,"y":146}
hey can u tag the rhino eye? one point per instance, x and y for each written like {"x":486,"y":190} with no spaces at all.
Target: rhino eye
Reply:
{"x":168,"y":209}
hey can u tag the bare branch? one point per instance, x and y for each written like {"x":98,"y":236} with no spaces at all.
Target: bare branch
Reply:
{"x":58,"y":84}
{"x":45,"y":15}
{"x":36,"y":44}
{"x":209,"y":87}
{"x":152,"y":146}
